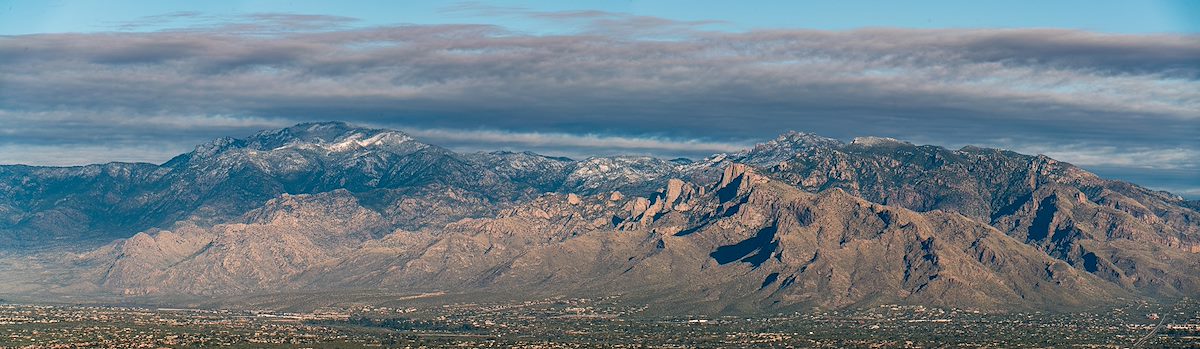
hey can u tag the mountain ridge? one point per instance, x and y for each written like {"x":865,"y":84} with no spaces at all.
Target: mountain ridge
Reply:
{"x":321,"y":204}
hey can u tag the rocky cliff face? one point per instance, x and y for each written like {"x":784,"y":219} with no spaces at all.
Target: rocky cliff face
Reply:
{"x":798,"y":222}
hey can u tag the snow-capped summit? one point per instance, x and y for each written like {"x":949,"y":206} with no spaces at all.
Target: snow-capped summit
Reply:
{"x":332,"y":137}
{"x":871,"y":141}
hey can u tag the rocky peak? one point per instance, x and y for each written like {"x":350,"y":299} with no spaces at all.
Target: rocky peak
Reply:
{"x":739,"y":175}
{"x":313,"y":132}
{"x":784,"y":147}
{"x":803,"y":139}
{"x":215,"y":146}
{"x":638,"y":175}
{"x":620,"y":165}
{"x":520,"y":164}
{"x":526,"y":155}
{"x":676,"y":196}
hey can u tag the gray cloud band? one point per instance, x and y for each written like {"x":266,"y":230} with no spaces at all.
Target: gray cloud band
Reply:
{"x":618,"y":76}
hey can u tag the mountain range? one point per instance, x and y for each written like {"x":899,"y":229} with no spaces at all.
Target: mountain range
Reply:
{"x":798,"y":222}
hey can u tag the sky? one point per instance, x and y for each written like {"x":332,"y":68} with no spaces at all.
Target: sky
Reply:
{"x":1111,"y":86}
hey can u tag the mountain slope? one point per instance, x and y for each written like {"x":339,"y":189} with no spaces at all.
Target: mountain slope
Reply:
{"x":745,"y":243}
{"x":286,"y":236}
{"x":1067,"y":212}
{"x":754,"y":243}
{"x":986,"y":184}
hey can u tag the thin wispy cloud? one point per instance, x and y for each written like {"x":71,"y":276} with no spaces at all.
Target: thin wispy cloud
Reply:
{"x":1143,"y":158}
{"x":567,"y":143}
{"x":593,"y":22}
{"x":78,"y":155}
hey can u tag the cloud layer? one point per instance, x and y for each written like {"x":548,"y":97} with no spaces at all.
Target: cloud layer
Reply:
{"x":615,"y":83}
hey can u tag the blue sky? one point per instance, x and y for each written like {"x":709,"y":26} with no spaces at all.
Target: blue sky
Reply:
{"x":1113,"y":86}
{"x":1129,"y":16}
